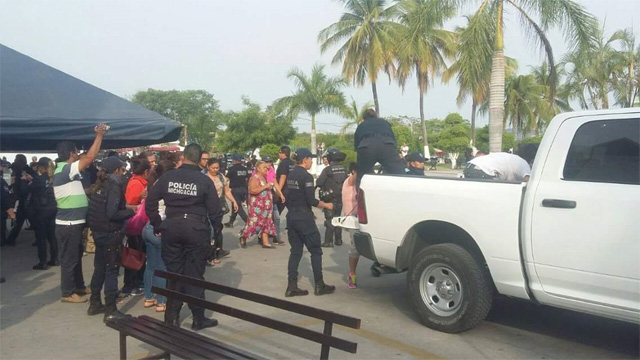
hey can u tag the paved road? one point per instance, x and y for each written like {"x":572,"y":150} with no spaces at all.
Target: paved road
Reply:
{"x":35,"y":325}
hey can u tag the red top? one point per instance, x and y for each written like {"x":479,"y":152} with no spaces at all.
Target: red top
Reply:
{"x":135,"y":187}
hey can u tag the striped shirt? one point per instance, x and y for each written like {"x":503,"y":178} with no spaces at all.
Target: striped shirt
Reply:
{"x":70,"y":196}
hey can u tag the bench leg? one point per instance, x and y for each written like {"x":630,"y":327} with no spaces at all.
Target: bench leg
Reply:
{"x":123,"y":346}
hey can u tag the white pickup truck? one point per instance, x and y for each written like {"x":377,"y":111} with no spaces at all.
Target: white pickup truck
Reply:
{"x":569,"y":238}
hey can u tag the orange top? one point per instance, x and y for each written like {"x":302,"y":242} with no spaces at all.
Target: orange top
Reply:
{"x":135,"y":187}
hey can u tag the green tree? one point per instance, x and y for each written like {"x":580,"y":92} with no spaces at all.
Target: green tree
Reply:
{"x":537,"y":16}
{"x":454,"y":137}
{"x":270,"y":150}
{"x":314,"y":94}
{"x":524,"y":102}
{"x":594,"y":69}
{"x":423,"y":46}
{"x":353,"y":113}
{"x":472,"y":67}
{"x":251,"y":128}
{"x":366,"y":34}
{"x":547,"y":110}
{"x":482,"y":140}
{"x":626,"y":85}
{"x":197,"y":109}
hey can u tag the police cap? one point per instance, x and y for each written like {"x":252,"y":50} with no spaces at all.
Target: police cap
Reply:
{"x":415,"y":157}
{"x":111,"y":164}
{"x":236,"y":157}
{"x":304,"y":153}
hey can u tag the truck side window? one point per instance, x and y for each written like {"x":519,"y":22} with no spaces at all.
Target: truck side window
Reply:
{"x":605,"y":151}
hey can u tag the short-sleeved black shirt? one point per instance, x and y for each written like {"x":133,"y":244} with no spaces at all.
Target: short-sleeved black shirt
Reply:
{"x":238,"y":176}
{"x":300,"y":194}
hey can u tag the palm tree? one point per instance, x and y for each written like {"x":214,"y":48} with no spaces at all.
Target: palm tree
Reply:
{"x":626,"y":86}
{"x":524,"y":101}
{"x":567,"y":15}
{"x":560,"y":103}
{"x":594,"y":69}
{"x":365,"y":33}
{"x":423,"y":46}
{"x":472,"y":69}
{"x":353,"y":113}
{"x":314,"y":94}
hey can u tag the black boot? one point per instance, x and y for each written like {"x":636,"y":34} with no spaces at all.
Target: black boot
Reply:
{"x":293,"y":290}
{"x":202,"y":322}
{"x":95,"y":305}
{"x":111,"y":313}
{"x":327,"y":244}
{"x":323,"y":289}
{"x":338,"y":242}
{"x":229,"y":224}
{"x":172,"y":316}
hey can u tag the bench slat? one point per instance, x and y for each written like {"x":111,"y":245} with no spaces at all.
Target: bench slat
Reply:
{"x":208,"y":344}
{"x":298,"y":331}
{"x":265,"y":300}
{"x":128,"y":329}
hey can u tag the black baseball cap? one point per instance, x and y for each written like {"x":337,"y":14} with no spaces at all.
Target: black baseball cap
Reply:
{"x":236,"y":157}
{"x":44,"y":161}
{"x":304,"y":153}
{"x":111,"y":164}
{"x":415,"y":157}
{"x":267,"y":159}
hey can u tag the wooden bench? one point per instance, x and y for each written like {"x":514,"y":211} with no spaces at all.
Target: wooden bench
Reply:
{"x":187,"y":344}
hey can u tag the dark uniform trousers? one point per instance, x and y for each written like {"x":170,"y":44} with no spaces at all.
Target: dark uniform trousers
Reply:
{"x":379,"y":152}
{"x":107,"y":264}
{"x":45,"y":229}
{"x":329,"y":229}
{"x":240,"y":194}
{"x":184,"y":251}
{"x":304,"y":233}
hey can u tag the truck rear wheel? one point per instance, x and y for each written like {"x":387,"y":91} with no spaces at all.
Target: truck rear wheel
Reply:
{"x":450,"y":290}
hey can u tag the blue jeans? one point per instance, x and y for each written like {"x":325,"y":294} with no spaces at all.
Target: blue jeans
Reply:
{"x":154,"y":262}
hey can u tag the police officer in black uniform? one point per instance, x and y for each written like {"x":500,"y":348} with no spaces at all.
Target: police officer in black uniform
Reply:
{"x":106,"y":217}
{"x":284,"y":168}
{"x":192,"y":206}
{"x":416,"y":164}
{"x":238,"y":182}
{"x":375,"y":143}
{"x":330,"y":183}
{"x":302,"y":226}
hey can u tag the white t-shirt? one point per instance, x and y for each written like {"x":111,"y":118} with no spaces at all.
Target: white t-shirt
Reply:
{"x":405,"y":150}
{"x":507,"y":167}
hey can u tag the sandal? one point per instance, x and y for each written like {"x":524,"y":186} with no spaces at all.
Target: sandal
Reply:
{"x":268,"y":246}
{"x":211,"y":263}
{"x":243,"y":242}
{"x":161,"y":307}
{"x":149,"y":303}
{"x":216,"y":261}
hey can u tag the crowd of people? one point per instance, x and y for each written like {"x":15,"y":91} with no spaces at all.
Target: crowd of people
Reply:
{"x":170,"y":208}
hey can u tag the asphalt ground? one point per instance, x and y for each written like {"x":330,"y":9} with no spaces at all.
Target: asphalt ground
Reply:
{"x":34,"y":324}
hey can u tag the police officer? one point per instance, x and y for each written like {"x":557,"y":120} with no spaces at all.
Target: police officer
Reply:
{"x":375,"y":143}
{"x":238,"y":182}
{"x":106,"y":218}
{"x":330,"y":183}
{"x":192,"y":206}
{"x":416,"y":164}
{"x":302,"y":226}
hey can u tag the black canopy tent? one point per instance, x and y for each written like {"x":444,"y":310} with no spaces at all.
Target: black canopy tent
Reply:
{"x":41,"y":106}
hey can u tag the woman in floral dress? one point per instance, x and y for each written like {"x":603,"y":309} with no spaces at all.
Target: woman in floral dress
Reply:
{"x":260,"y":201}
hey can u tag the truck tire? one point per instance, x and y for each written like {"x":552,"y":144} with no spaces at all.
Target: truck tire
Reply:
{"x":450,"y":290}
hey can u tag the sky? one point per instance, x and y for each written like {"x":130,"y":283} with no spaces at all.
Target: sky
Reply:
{"x":233,"y":48}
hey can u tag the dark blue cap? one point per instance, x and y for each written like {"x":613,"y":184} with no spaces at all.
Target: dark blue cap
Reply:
{"x":304,"y":153}
{"x":111,"y":164}
{"x":415,"y":157}
{"x":267,"y":159}
{"x":236,"y":157}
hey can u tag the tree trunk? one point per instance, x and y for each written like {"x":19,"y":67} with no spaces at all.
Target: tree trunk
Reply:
{"x":496,"y":90}
{"x":474,"y":107}
{"x":453,"y":156}
{"x":375,"y":97}
{"x":605,"y":97}
{"x":314,"y":145}
{"x":425,"y":142}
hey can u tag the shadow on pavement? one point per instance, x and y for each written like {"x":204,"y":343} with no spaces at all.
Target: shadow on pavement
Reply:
{"x":582,"y":328}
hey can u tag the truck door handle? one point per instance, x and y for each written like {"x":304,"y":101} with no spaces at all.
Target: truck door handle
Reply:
{"x":560,"y":204}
